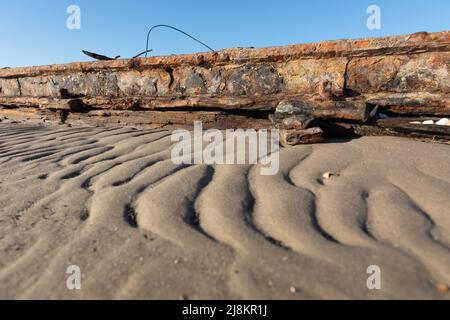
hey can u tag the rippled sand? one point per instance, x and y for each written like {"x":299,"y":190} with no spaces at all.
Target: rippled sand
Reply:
{"x":112,"y":202}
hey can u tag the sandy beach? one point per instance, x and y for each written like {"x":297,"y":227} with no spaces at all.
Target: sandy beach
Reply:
{"x":112,"y":202}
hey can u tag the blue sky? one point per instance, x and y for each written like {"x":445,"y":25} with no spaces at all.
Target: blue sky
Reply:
{"x":34,"y":32}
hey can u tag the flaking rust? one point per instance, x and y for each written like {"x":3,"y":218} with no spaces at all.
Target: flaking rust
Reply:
{"x":303,"y":90}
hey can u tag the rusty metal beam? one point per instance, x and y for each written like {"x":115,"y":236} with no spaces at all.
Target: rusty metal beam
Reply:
{"x":336,"y":80}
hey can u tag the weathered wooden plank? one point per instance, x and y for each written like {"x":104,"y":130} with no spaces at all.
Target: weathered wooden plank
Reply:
{"x":389,"y":127}
{"x":415,"y":103}
{"x":318,"y":108}
{"x":149,"y":119}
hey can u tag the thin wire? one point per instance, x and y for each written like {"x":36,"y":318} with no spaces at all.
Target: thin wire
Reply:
{"x":147,"y":50}
{"x":173,"y":28}
{"x":140,"y":54}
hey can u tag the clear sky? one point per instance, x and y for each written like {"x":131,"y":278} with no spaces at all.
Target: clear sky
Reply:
{"x":34,"y":32}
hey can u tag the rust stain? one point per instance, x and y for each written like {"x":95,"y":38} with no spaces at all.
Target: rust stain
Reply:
{"x":332,"y":80}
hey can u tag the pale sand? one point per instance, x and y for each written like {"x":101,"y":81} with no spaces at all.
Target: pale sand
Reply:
{"x":70,"y":196}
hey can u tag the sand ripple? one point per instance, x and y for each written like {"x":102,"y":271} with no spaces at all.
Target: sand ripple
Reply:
{"x":112,"y":202}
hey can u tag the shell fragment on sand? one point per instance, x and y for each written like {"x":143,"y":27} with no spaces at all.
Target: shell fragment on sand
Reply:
{"x":329,"y":175}
{"x":443,"y":122}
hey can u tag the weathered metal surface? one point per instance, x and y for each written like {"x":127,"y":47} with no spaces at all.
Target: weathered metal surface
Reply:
{"x":336,"y":80}
{"x":403,"y":64}
{"x":291,"y":137}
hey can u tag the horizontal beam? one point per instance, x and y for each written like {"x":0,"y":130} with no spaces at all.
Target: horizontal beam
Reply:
{"x":356,"y":82}
{"x":398,"y":45}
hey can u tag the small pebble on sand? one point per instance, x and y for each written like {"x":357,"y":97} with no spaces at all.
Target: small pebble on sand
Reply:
{"x":442,"y":288}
